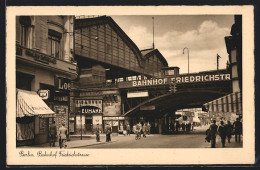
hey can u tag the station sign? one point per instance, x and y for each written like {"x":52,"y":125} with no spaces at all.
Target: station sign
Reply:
{"x":201,"y":78}
{"x":193,"y":78}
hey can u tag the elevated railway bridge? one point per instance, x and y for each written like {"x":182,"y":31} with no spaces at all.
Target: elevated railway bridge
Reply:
{"x":150,"y":99}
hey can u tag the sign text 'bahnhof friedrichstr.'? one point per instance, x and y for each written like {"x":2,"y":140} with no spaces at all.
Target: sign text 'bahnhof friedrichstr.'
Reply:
{"x":180,"y":79}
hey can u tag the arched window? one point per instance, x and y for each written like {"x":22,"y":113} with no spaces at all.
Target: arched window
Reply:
{"x":25,"y":22}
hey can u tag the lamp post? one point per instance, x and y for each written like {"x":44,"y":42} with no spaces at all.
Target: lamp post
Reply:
{"x":188,"y":58}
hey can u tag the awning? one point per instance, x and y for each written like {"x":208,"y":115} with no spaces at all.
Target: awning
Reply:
{"x":29,"y":103}
{"x":228,"y":103}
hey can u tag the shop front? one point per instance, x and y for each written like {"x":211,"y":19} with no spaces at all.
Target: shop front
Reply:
{"x":116,"y":122}
{"x":32,"y":118}
{"x":88,"y":115}
{"x":226,"y":108}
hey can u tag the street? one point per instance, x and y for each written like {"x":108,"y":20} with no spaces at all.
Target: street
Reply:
{"x":163,"y":141}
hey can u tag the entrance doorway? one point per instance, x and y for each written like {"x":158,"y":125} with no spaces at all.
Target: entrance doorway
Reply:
{"x":88,"y":124}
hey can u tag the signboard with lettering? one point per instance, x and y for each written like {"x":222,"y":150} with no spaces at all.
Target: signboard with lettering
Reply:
{"x":152,"y":107}
{"x":62,"y":83}
{"x":137,"y":94}
{"x":90,"y":110}
{"x":40,"y":56}
{"x":44,"y":94}
{"x":88,"y":102}
{"x":96,"y":119}
{"x":195,"y":78}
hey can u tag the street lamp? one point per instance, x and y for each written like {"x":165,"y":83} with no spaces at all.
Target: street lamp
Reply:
{"x":188,"y":58}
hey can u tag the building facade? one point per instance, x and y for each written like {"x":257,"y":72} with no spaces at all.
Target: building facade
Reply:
{"x":45,"y":65}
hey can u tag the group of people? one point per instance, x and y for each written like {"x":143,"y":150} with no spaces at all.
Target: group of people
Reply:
{"x":62,"y":135}
{"x":139,"y":129}
{"x":108,"y":131}
{"x":224,"y":131}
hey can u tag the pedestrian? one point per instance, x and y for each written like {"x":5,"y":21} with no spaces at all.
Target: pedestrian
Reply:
{"x":98,"y":133}
{"x":222,"y":133}
{"x":138,"y":130}
{"x":128,"y":129}
{"x":63,"y":132}
{"x":229,"y":129}
{"x":149,"y":128}
{"x":108,"y":133}
{"x":213,"y":132}
{"x":52,"y":134}
{"x":177,"y":127}
{"x":183,"y":126}
{"x":134,"y":128}
{"x":238,"y":129}
{"x":144,"y":130}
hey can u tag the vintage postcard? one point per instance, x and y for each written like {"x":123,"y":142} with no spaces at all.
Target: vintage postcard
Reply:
{"x":121,"y":85}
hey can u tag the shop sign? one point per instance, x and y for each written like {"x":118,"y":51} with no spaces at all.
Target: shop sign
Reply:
{"x":88,"y":102}
{"x":44,"y":94}
{"x":114,"y":118}
{"x":62,"y":83}
{"x":97,"y":120}
{"x":121,"y":118}
{"x":90,"y":110}
{"x":137,"y":94}
{"x":40,"y":56}
{"x":110,"y":118}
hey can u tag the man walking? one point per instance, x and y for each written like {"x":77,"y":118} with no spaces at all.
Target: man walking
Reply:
{"x":108,"y":132}
{"x":52,"y":134}
{"x":144,"y":130}
{"x":222,"y":133}
{"x":128,"y":129}
{"x":63,"y":132}
{"x":149,"y":128}
{"x":213,"y":131}
{"x":97,"y":133}
{"x":229,"y":129}
{"x":238,"y":129}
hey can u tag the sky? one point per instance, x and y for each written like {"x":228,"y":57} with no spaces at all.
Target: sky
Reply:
{"x":203,"y":35}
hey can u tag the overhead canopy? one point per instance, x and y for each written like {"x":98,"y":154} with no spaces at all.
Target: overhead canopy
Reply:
{"x":229,"y":103}
{"x":29,"y":103}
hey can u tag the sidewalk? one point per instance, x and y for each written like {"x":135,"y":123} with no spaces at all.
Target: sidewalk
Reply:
{"x":76,"y":142}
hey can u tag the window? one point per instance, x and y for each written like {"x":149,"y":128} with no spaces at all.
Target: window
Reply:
{"x":25,"y":22}
{"x":23,"y":81}
{"x":54,"y":48}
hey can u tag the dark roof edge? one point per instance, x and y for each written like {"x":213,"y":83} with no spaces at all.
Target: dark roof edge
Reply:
{"x":111,"y":21}
{"x":161,"y":57}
